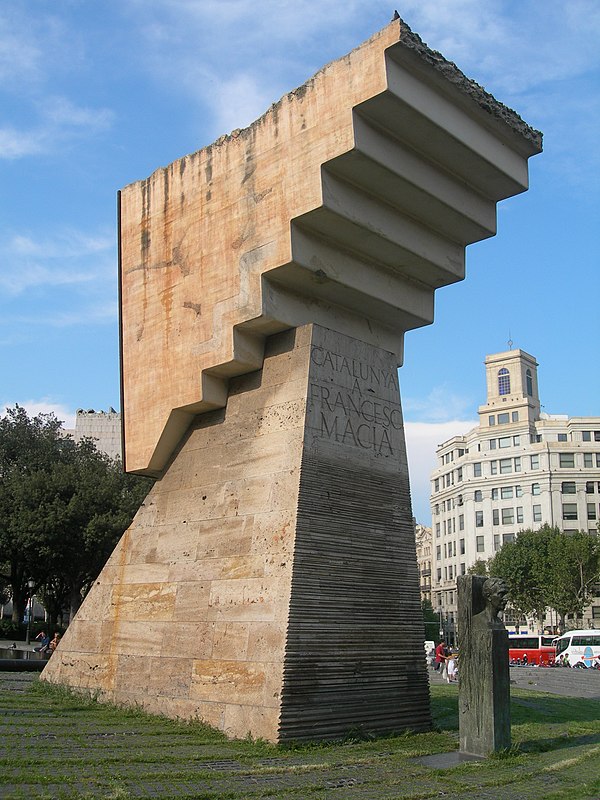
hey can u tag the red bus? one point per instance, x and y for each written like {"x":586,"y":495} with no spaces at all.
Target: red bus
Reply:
{"x":530,"y":648}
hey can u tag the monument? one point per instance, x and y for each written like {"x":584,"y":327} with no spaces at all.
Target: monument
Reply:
{"x":484,"y":690}
{"x":268,"y":584}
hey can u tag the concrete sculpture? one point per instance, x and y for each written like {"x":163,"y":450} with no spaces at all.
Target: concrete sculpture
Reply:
{"x":484,"y":692}
{"x":268,"y":584}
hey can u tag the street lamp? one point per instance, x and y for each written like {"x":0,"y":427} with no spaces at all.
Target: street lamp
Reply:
{"x":30,"y":585}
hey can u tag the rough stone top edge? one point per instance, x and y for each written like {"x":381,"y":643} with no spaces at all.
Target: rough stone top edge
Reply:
{"x":410,"y":40}
{"x":450,"y":72}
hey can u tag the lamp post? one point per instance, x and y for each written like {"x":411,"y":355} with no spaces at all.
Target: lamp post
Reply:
{"x":30,"y":585}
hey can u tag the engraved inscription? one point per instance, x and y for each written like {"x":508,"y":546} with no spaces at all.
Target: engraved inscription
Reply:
{"x":353,"y":403}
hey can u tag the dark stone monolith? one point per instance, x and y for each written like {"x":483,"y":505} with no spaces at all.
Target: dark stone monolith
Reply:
{"x":484,"y":689}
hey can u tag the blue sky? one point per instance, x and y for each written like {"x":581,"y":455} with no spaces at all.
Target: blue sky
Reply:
{"x":95,"y":95}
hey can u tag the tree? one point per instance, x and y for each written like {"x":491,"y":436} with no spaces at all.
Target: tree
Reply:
{"x":479,"y":567}
{"x":574,"y":566}
{"x":431,"y":621}
{"x":102,"y":501}
{"x":523,"y":563}
{"x":28,"y":448}
{"x":548,"y":568}
{"x":63,"y":506}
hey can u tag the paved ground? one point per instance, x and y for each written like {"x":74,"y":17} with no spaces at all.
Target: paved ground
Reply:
{"x":555,"y":680}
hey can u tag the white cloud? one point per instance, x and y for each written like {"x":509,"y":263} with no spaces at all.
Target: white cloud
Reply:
{"x":101,"y":312}
{"x":68,"y":258}
{"x":238,"y":101}
{"x":20,"y":55}
{"x":422,"y":439}
{"x":441,"y":404}
{"x":45,"y":405}
{"x":61,"y":121}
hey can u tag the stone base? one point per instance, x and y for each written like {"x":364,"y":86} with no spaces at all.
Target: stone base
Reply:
{"x":268,"y":584}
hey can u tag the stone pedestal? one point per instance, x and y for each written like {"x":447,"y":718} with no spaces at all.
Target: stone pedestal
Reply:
{"x":484,"y":679}
{"x":268,"y":585}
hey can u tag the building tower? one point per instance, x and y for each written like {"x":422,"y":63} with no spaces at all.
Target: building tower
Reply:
{"x":519,"y":468}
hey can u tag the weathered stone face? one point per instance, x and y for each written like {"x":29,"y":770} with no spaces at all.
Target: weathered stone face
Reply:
{"x":268,"y":584}
{"x":346,"y":204}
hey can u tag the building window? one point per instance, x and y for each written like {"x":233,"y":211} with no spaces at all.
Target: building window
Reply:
{"x":492,"y":444}
{"x":503,"y":381}
{"x":493,"y":467}
{"x":504,"y":441}
{"x":591,"y":511}
{"x":566,"y":459}
{"x":439,"y":574}
{"x":537,"y":513}
{"x":508,"y":537}
{"x":562,"y":437}
{"x":496,"y":541}
{"x":479,"y":545}
{"x":436,"y":485}
{"x":535,"y":488}
{"x":586,"y":436}
{"x":516,"y":440}
{"x":595,"y":612}
{"x":508,"y":516}
{"x":478,"y":496}
{"x":518,"y":491}
{"x":461,"y":522}
{"x":519,"y":515}
{"x":568,"y":487}
{"x":479,"y":519}
{"x":505,"y":466}
{"x":438,"y":553}
{"x":569,"y":511}
{"x":503,"y":419}
{"x":463,"y":568}
{"x":477,"y":469}
{"x":529,"y":382}
{"x":535,"y":462}
{"x":459,"y":474}
{"x":462,"y":547}
{"x":589,"y":487}
{"x":495,"y":516}
{"x":518,"y":464}
{"x":492,"y":420}
{"x":437,"y":530}
{"x":515,"y":416}
{"x":506,"y":492}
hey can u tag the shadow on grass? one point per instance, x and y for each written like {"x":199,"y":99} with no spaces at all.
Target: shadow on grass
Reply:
{"x":540,"y":722}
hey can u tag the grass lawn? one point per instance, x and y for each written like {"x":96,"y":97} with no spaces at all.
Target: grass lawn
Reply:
{"x":55,"y":745}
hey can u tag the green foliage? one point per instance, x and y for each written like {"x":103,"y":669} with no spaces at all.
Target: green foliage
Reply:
{"x":63,"y":506}
{"x":547,"y":568}
{"x":431,"y":621}
{"x":479,"y":567}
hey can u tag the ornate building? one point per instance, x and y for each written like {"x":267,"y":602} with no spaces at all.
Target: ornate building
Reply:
{"x":519,"y":468}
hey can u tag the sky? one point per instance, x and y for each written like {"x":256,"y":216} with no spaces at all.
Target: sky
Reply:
{"x":95,"y":95}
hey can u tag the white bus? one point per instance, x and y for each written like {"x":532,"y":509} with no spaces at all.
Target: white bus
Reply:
{"x":582,"y":647}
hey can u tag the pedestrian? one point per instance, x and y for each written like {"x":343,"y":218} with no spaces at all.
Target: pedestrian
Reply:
{"x":440,"y":656}
{"x":44,"y":641}
{"x":54,"y":643}
{"x":452,"y":667}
